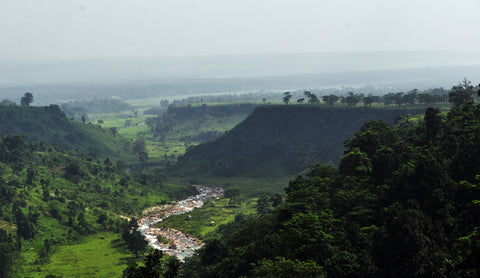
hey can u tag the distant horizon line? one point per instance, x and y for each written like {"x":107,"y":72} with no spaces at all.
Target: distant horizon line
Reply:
{"x":199,"y":56}
{"x":6,"y":84}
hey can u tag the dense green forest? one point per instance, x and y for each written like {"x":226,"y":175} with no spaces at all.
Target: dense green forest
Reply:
{"x":278,"y":140}
{"x":404,"y":202}
{"x":385,"y":190}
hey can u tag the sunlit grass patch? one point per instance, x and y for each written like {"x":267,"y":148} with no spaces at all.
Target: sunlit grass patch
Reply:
{"x":99,"y":255}
{"x":4,"y":225}
{"x":248,"y":186}
{"x":206,"y":219}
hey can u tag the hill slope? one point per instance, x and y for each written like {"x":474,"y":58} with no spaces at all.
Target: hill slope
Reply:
{"x":51,"y":198}
{"x":282,"y":140}
{"x":200,"y":123}
{"x":49,"y":125}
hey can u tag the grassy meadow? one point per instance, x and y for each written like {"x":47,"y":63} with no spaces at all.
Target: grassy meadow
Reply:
{"x":165,"y":149}
{"x":249,"y":186}
{"x":216,"y":210}
{"x":99,"y":255}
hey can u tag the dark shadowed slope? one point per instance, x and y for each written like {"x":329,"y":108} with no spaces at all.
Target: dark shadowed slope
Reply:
{"x":282,"y":140}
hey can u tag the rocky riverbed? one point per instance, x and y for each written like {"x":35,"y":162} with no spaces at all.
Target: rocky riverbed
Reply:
{"x":177,"y":243}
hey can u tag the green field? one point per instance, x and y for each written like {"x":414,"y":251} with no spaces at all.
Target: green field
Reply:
{"x":165,"y":149}
{"x":215,"y":210}
{"x":100,"y":255}
{"x":250,"y":187}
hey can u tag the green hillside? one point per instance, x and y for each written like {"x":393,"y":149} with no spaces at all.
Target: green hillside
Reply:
{"x":51,"y":198}
{"x":49,"y":125}
{"x":281,"y":140}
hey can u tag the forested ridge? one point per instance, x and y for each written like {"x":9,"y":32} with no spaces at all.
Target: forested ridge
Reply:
{"x":50,"y":125}
{"x":278,"y":140}
{"x":404,"y":202}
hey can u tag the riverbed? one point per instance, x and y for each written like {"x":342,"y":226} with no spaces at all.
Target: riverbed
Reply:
{"x":180,"y":244}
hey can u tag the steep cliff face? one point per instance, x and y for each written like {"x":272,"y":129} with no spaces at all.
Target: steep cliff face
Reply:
{"x":282,"y":140}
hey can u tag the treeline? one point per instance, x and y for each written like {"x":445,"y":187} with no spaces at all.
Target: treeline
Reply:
{"x":404,"y":202}
{"x":227,"y":98}
{"x":437,"y":96}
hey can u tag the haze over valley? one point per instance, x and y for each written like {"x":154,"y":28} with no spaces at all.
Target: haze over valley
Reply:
{"x":292,"y":138}
{"x":178,"y":77}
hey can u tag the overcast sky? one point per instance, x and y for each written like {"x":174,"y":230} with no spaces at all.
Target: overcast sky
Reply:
{"x":62,"y":29}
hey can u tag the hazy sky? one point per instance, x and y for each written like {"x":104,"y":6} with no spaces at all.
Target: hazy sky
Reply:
{"x":62,"y":29}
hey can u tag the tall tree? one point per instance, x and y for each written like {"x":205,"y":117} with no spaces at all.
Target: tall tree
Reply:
{"x":140,"y":149}
{"x":263,"y":205}
{"x":433,"y":122}
{"x":352,"y":99}
{"x":462,"y":93}
{"x":25,"y":228}
{"x":26,"y":99}
{"x":8,"y":255}
{"x":369,"y":99}
{"x":398,"y":98}
{"x":286,"y":97}
{"x":411,"y":97}
{"x":135,"y":240}
{"x":330,"y":99}
{"x":312,"y":98}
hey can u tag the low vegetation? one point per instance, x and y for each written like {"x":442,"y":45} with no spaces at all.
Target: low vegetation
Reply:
{"x":102,"y":254}
{"x":202,"y":222}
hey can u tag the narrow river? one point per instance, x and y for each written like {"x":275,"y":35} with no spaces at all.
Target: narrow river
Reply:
{"x":181,"y":245}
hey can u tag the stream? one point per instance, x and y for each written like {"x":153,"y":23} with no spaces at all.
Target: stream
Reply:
{"x":182,"y":245}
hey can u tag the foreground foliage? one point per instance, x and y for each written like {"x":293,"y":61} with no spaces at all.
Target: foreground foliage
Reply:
{"x":404,"y":202}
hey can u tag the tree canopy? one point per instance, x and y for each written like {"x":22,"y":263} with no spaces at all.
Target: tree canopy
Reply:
{"x":462,"y":93}
{"x":27,"y":99}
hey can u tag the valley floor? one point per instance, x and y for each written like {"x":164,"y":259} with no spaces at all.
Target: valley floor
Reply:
{"x":180,"y":244}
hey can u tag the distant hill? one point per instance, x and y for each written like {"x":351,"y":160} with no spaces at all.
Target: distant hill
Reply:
{"x":49,"y":125}
{"x":79,"y":108}
{"x":282,"y":140}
